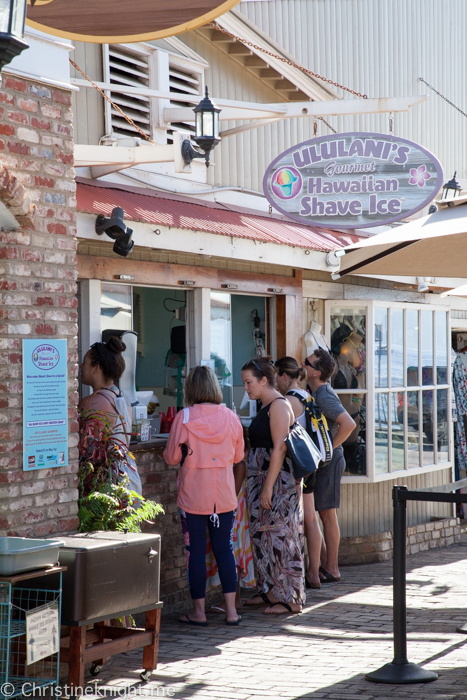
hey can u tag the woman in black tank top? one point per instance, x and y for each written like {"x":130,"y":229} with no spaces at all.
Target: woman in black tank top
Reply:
{"x":274,"y":500}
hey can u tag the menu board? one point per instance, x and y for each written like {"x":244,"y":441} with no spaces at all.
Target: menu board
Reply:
{"x":45,"y":404}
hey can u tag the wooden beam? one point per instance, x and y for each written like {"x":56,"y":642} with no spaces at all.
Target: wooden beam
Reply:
{"x":238,"y":49}
{"x":289,"y":313}
{"x":169,"y":275}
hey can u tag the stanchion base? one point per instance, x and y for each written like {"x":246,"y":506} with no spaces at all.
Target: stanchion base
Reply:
{"x":401,"y":674}
{"x":462,"y":629}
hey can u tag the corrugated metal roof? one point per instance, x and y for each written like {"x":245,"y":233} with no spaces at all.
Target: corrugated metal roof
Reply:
{"x":160,"y":209}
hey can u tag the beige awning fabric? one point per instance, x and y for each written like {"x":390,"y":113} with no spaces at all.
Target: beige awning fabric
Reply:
{"x":434,"y":246}
{"x":456,"y":292}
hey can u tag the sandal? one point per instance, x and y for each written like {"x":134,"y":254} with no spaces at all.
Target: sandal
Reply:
{"x":328,"y":578}
{"x":287,"y":611}
{"x":233,"y":623}
{"x":265,"y":600}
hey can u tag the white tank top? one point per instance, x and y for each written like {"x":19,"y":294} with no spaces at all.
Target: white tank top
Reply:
{"x":302,"y":418}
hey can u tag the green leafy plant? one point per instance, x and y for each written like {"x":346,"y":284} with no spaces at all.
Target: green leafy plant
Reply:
{"x":105,"y":501}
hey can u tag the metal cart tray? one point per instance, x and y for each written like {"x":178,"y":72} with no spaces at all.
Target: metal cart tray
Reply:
{"x":18,"y":554}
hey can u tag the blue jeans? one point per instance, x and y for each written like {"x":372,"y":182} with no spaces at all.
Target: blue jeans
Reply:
{"x":220,"y":533}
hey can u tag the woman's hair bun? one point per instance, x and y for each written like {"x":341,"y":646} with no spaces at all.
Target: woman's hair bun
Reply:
{"x":115,"y":345}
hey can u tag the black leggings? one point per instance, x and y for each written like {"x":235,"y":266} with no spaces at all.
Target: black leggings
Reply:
{"x":220,"y":533}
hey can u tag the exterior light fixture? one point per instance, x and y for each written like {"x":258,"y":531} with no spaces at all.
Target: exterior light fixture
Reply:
{"x":207,"y":131}
{"x":115,"y":228}
{"x":12,"y":17}
{"x":452,"y":188}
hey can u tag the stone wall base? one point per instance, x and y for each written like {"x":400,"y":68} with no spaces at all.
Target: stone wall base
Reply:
{"x":371,"y":548}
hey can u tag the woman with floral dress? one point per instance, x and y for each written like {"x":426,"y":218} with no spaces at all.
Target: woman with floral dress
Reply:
{"x":274,"y":501}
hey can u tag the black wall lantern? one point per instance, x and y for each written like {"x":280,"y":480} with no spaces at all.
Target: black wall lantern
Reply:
{"x":207,"y":131}
{"x":12,"y":16}
{"x":452,"y":187}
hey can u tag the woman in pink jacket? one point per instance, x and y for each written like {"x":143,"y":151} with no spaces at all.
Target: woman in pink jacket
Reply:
{"x":211,"y":437}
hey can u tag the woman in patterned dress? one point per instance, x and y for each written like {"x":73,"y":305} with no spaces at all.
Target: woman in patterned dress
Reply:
{"x":274,"y":501}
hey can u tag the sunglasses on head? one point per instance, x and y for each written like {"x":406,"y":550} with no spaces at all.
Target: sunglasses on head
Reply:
{"x":307,"y":362}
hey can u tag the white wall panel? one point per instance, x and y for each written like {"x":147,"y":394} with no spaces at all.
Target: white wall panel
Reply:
{"x":242,"y":159}
{"x":381,"y":48}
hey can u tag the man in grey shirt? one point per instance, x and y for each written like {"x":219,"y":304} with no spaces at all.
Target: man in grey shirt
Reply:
{"x":319,"y":368}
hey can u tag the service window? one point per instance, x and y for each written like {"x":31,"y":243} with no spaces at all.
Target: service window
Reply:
{"x":392,"y":376}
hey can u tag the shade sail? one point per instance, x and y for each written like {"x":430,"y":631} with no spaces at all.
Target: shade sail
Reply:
{"x":434,"y":246}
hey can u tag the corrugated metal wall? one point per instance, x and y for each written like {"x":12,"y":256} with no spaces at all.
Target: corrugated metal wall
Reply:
{"x":381,"y":48}
{"x":242,"y":159}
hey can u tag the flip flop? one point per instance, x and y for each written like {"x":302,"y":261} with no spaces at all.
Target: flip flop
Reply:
{"x":265,"y":600}
{"x":216,"y":609}
{"x":288,"y":610}
{"x":189,"y":621}
{"x":234,"y":623}
{"x":328,"y":578}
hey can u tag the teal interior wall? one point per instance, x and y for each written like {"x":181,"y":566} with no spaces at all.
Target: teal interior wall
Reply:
{"x":243,"y":347}
{"x":156,"y":333}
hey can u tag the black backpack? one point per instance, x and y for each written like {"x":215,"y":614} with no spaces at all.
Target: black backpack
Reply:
{"x":316,"y":425}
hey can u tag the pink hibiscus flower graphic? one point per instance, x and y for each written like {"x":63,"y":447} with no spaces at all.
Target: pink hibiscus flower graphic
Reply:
{"x":419,"y":176}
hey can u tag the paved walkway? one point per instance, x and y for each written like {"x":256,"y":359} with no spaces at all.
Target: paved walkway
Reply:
{"x":344,"y":632}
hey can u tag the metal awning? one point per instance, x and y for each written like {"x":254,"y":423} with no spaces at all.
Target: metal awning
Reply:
{"x":433,"y":246}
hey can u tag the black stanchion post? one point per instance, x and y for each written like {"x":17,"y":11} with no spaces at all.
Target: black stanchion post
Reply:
{"x":400,"y":670}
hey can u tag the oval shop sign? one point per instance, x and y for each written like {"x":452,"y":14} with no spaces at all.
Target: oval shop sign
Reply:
{"x":45,"y":356}
{"x":352,"y":180}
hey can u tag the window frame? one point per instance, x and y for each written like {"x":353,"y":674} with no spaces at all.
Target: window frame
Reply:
{"x":371,"y":391}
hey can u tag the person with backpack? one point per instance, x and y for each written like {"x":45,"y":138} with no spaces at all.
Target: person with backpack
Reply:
{"x":206,"y":439}
{"x":319,"y":367}
{"x":289,"y":381}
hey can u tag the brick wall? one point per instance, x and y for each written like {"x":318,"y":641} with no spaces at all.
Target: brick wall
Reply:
{"x":378,"y":547}
{"x":38,"y":292}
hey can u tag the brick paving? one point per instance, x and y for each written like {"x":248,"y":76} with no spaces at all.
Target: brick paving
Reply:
{"x":344,"y":632}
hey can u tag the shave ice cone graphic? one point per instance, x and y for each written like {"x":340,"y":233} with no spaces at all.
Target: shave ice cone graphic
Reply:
{"x":286,"y":183}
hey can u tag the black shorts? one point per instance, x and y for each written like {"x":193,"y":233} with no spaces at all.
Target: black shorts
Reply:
{"x":309,"y":483}
{"x":328,"y":482}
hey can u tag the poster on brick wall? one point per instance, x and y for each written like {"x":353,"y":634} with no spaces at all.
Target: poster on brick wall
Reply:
{"x":45,"y":404}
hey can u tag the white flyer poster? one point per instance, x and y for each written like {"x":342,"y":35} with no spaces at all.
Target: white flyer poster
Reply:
{"x":42,"y":632}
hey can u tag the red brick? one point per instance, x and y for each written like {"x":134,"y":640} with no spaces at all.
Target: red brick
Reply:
{"x":44,"y":182}
{"x":21,"y":148}
{"x":26,"y":105}
{"x":30,"y":255}
{"x":57,"y":229}
{"x":7,"y":98}
{"x":18,"y":117}
{"x":67,"y":302}
{"x":9,"y":253}
{"x":43,"y":301}
{"x":14,"y":358}
{"x":44,"y":529}
{"x":63,"y":129}
{"x":69,"y":525}
{"x":7,"y":129}
{"x":64,"y":157}
{"x":44,"y":329}
{"x":40,"y":124}
{"x":13,"y":84}
{"x":63,"y":97}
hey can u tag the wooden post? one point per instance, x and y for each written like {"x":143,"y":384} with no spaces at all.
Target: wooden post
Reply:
{"x":289,"y":313}
{"x":76,"y":656}
{"x":150,"y":653}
